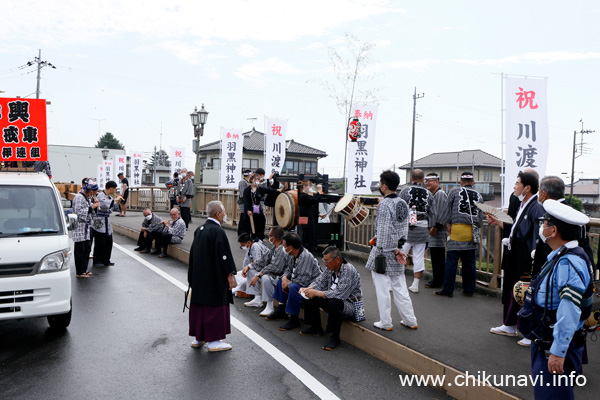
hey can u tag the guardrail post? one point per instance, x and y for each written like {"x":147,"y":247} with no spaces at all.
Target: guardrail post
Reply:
{"x":497,"y":257}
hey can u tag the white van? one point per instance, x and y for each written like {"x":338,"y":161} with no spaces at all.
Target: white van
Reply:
{"x":35,"y":250}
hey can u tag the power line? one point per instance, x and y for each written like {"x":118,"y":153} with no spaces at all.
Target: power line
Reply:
{"x":40,"y":64}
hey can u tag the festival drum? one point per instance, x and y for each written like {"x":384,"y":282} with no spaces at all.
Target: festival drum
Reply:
{"x":352,"y":210}
{"x":360,"y":216}
{"x":286,"y":209}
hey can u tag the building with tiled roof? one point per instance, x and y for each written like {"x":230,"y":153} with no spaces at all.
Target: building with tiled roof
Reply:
{"x":299,"y":158}
{"x":449,"y":165}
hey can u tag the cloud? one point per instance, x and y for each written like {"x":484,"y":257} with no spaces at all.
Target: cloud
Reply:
{"x":60,"y":22}
{"x":255,"y":71}
{"x":532,"y":58}
{"x":247,"y":50}
{"x":454,"y":28}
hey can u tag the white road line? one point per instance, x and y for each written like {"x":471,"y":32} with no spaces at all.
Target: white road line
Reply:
{"x":307,"y":379}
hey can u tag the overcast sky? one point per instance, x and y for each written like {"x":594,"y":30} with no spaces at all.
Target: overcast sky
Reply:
{"x":130,"y":67}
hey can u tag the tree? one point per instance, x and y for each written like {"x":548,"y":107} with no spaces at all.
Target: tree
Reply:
{"x":351,"y":70}
{"x":110,"y":141}
{"x":161,"y":157}
{"x":576,"y":203}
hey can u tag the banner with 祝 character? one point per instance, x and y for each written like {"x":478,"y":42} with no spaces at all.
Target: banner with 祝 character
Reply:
{"x":232,"y":142}
{"x":135,"y":169}
{"x":359,"y":167}
{"x":23,"y":130}
{"x":177,"y":159}
{"x":275,"y":130}
{"x":526,"y":130}
{"x":120,"y":165}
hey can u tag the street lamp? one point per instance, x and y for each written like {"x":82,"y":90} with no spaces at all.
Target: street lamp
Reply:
{"x":198,"y":120}
{"x":105,"y":153}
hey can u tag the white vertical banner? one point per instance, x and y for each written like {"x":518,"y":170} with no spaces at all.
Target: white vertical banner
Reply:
{"x":108,"y":171}
{"x":359,"y":166}
{"x":232,"y":142}
{"x":136,"y":166}
{"x":101,"y":176}
{"x":120,"y":164}
{"x":177,"y":159}
{"x":526,"y":128}
{"x":275,"y":130}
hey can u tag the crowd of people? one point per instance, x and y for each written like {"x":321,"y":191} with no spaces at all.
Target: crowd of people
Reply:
{"x":545,"y":243}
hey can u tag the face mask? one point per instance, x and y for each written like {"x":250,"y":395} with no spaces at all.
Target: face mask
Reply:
{"x":149,"y":217}
{"x":381,"y":191}
{"x":288,"y":252}
{"x":245,"y":249}
{"x":224,"y":218}
{"x":271,"y":241}
{"x":541,"y":233}
{"x":183,"y":175}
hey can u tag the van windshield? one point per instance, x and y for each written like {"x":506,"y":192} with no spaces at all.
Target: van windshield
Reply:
{"x":29,"y":211}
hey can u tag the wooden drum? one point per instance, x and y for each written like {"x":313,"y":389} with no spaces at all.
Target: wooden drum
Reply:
{"x":352,"y":210}
{"x":286,"y":209}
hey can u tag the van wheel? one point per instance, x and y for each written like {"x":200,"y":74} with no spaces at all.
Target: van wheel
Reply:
{"x":60,"y":321}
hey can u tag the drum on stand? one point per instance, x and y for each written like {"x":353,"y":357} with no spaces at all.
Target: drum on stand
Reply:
{"x":352,"y":210}
{"x":286,"y":209}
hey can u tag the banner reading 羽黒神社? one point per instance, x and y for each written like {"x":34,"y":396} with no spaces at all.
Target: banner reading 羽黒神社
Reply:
{"x":359,"y":167}
{"x":526,"y":128}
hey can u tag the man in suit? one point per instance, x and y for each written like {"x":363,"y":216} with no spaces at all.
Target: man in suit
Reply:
{"x":517,"y":259}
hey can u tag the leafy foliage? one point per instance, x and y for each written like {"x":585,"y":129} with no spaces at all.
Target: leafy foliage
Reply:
{"x":110,"y":141}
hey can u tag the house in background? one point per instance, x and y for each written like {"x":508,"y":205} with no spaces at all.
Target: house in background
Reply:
{"x":299,"y":158}
{"x":73,"y":163}
{"x":449,"y":165}
{"x":588,"y":191}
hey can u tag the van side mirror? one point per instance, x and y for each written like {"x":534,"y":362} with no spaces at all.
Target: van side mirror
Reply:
{"x":72,"y":221}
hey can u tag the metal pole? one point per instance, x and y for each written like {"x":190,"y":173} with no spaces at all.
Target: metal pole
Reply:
{"x":39,"y":68}
{"x":502,"y":140}
{"x":154,"y":172}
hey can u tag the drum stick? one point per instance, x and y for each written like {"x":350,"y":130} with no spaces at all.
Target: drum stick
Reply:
{"x":252,"y":224}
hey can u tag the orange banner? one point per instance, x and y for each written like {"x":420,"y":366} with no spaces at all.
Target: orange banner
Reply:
{"x":23,"y":130}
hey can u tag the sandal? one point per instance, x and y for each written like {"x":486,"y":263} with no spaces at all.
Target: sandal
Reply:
{"x":82,"y":276}
{"x":88,"y":274}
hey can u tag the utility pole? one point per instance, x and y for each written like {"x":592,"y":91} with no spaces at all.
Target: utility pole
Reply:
{"x":40,"y":65}
{"x":581,"y":151}
{"x":412,"y":148}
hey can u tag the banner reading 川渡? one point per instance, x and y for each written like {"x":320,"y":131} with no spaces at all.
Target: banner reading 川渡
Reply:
{"x":232,"y":142}
{"x":23,"y":130}
{"x":526,"y":128}
{"x":177,"y":159}
{"x":359,"y":167}
{"x":275,"y":130}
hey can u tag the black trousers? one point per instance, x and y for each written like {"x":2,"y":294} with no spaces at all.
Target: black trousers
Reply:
{"x":335,"y":312}
{"x":146,"y":242}
{"x":81,"y":254}
{"x":186,"y":215}
{"x":103,"y":247}
{"x":308,"y":233}
{"x":163,"y":240}
{"x":438,"y":265}
{"x":173,"y":203}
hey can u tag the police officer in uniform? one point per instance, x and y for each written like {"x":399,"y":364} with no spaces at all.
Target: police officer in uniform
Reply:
{"x":557,"y":303}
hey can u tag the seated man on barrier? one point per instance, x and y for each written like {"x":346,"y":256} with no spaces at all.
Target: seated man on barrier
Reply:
{"x":269,"y":269}
{"x":149,"y":232}
{"x":172,"y":233}
{"x":301,"y":269}
{"x":255,"y":250}
{"x":335,"y":291}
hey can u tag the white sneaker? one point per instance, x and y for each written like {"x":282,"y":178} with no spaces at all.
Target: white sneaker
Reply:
{"x":505,"y":330}
{"x":268,"y":309}
{"x":218,"y":345}
{"x":379,"y":325}
{"x":257,"y":302}
{"x":524,"y":342}
{"x":414,"y":289}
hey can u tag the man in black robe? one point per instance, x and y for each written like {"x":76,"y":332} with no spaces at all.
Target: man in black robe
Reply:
{"x":210,"y":276}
